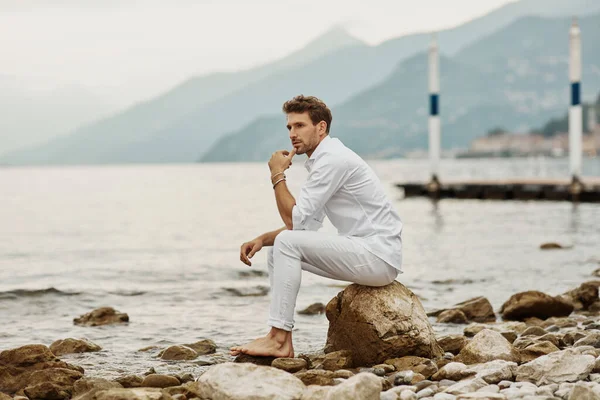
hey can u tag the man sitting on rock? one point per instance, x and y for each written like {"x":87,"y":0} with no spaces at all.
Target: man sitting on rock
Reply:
{"x":367,"y":249}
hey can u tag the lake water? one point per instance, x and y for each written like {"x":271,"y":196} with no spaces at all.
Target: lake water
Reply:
{"x":161,"y":243}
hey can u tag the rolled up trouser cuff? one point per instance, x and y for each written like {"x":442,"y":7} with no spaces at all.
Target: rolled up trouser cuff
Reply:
{"x":279,"y":324}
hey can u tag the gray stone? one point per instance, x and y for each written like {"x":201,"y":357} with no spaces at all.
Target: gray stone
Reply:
{"x":557,"y":367}
{"x":248,"y":381}
{"x":486,"y":346}
{"x":466,"y":386}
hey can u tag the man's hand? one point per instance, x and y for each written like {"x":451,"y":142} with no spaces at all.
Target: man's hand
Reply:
{"x":281,"y":160}
{"x":249,"y":249}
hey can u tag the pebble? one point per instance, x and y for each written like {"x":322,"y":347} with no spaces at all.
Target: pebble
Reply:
{"x":446,"y":383}
{"x":403,"y":378}
{"x":490,"y":389}
{"x":408,"y":395}
{"x":504,"y":384}
{"x":444,"y":396}
{"x":427,"y":392}
{"x":423,"y":384}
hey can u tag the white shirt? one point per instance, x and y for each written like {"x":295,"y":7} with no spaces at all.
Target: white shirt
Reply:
{"x":342,"y":186}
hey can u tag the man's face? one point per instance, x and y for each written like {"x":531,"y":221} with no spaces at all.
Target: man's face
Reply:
{"x":303,"y":134}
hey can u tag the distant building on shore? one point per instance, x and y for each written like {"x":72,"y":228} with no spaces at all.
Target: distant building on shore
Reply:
{"x":505,"y":144}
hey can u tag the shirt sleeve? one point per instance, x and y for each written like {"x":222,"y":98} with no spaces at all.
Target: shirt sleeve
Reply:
{"x":326,"y":178}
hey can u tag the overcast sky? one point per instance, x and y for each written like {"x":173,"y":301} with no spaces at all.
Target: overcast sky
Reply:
{"x":132,"y":49}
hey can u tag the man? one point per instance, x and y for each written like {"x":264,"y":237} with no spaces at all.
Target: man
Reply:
{"x":367,"y":249}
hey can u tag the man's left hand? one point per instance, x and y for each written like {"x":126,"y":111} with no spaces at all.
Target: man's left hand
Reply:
{"x":281,"y":160}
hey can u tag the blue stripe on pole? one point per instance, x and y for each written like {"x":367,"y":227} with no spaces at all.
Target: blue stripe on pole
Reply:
{"x":434,"y":104}
{"x":575,"y":93}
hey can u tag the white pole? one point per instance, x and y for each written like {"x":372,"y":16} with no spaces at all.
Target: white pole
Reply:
{"x":575,"y":112}
{"x":434,"y":109}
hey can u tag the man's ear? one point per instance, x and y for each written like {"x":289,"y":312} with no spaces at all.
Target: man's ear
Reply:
{"x":322,"y":127}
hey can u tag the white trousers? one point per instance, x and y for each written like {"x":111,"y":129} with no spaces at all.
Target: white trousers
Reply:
{"x":328,"y":255}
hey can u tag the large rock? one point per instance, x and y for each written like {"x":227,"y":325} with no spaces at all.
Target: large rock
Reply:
{"x":486,"y":346}
{"x":452,"y":343}
{"x":101,"y":316}
{"x":379,"y":323}
{"x":177,"y":353}
{"x":203,"y":347}
{"x":535,"y":304}
{"x":160,"y":381}
{"x":36,"y":368}
{"x":561,"y":366}
{"x":452,"y":316}
{"x":70,"y":345}
{"x":537,"y":349}
{"x":478,"y":309}
{"x":362,"y":386}
{"x":247,"y":382}
{"x":52,"y":383}
{"x":583,"y":296}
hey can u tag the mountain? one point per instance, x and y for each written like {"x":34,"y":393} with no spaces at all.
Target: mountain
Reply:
{"x":185,"y":122}
{"x":109,"y":140}
{"x":515,"y":78}
{"x":32,"y":113}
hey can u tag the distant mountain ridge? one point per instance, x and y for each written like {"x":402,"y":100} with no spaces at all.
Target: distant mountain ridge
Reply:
{"x":30,"y":115}
{"x":515,"y":78}
{"x":185,"y":122}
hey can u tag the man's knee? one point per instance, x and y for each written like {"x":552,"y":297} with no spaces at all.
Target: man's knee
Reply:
{"x":287,"y":240}
{"x":284,"y":238}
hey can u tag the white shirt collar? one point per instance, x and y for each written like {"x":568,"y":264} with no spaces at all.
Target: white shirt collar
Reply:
{"x":318,"y":150}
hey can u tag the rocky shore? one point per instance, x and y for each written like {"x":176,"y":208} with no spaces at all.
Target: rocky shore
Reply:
{"x":380,"y":345}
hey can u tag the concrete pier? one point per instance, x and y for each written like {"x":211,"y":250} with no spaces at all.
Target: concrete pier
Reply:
{"x":513,"y":189}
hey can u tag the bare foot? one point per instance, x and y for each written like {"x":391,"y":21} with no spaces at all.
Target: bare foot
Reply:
{"x":277,"y":343}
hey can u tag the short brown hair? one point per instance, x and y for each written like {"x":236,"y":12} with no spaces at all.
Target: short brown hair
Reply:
{"x":317,"y":110}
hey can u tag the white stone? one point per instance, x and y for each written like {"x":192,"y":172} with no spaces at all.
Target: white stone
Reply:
{"x":387,"y":395}
{"x":454,"y":371}
{"x":511,"y":393}
{"x":505,"y":384}
{"x":130,"y":394}
{"x":402,"y":388}
{"x":544,"y":391}
{"x":249,"y":382}
{"x":557,"y":367}
{"x":481,"y":396}
{"x":427,"y":392}
{"x":314,"y":392}
{"x":362,"y":386}
{"x":488,"y":345}
{"x":466,"y":386}
{"x":526,"y":385}
{"x":585,"y":391}
{"x":408,"y":395}
{"x":444,"y":396}
{"x":490,"y":389}
{"x":495,"y":371}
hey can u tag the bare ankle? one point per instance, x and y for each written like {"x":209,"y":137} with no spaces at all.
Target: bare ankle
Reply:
{"x":279,"y":335}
